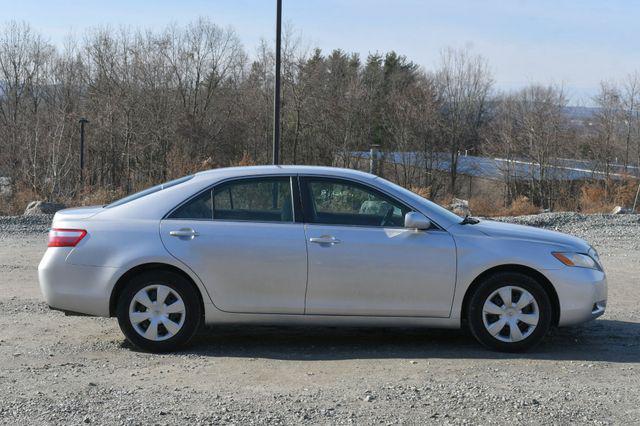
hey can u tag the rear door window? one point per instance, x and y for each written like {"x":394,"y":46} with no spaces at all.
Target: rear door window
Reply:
{"x":267,"y":199}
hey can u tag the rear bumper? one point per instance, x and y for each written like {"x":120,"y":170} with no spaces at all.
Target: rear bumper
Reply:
{"x":75,"y":288}
{"x":582,"y":293}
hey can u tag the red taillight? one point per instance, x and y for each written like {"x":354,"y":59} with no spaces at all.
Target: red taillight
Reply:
{"x":65,"y":237}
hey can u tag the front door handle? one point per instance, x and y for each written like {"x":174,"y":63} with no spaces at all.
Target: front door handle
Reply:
{"x":325,"y":239}
{"x":184,"y":233}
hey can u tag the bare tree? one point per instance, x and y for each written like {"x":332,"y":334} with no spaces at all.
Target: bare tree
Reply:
{"x":529,"y":131}
{"x":631,"y":105}
{"x":464,"y":83}
{"x":608,"y":120}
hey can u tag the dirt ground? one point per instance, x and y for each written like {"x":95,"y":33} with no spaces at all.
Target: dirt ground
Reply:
{"x":72,"y":370}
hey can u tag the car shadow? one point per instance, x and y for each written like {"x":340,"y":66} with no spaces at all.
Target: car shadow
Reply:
{"x":601,"y":340}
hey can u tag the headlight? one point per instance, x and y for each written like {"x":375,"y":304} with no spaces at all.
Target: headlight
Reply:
{"x":579,"y":260}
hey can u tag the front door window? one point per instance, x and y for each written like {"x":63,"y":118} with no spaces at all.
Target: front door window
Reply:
{"x":342,"y":202}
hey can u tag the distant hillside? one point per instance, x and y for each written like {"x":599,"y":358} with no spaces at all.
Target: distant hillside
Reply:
{"x":580,"y":112}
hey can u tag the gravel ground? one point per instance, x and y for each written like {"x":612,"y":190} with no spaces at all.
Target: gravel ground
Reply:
{"x":14,"y":226}
{"x":79,"y":370}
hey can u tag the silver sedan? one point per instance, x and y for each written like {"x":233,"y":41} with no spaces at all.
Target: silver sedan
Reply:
{"x":312,"y":245}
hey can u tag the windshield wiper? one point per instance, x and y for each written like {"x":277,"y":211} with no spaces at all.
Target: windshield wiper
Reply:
{"x":468,"y":220}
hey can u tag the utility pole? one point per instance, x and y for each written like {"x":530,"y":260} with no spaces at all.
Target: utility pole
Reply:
{"x":374,"y":160}
{"x":83,"y":121}
{"x":276,"y":97}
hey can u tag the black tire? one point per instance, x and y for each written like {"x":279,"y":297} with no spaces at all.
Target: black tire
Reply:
{"x":486,"y":289}
{"x":187,"y":292}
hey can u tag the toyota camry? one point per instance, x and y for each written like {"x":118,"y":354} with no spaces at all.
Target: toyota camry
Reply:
{"x":312,"y":245}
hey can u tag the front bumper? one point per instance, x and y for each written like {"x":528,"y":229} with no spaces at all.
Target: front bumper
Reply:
{"x":598,"y":308}
{"x":582,"y":293}
{"x":75,"y":288}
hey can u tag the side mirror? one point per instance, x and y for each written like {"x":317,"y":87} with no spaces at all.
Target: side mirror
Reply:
{"x":417,"y":221}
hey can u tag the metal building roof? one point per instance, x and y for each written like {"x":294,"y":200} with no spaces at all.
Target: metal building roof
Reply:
{"x":499,"y":168}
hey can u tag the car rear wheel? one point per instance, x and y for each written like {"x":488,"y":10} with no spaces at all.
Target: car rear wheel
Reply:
{"x":509,"y":312}
{"x":159,"y":311}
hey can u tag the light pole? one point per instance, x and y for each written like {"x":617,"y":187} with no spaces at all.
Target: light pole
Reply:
{"x":83,"y":121}
{"x":276,"y":97}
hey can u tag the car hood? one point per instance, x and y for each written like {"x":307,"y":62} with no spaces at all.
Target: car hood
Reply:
{"x":529,"y":233}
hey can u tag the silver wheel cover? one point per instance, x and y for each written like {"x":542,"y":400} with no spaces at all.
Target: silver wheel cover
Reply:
{"x":157,"y":312}
{"x":510,"y":314}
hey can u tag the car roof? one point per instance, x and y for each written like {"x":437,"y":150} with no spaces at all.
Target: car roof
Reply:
{"x":227,"y":172}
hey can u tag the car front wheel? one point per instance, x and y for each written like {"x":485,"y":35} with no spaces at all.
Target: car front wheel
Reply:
{"x":159,"y":311}
{"x":509,"y":312}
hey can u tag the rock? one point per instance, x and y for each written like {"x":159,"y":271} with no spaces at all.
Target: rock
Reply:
{"x":5,"y":186}
{"x":620,"y":210}
{"x":42,"y":207}
{"x":460,"y":207}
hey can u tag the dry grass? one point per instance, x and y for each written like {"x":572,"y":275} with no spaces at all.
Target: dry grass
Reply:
{"x":246,"y":160}
{"x":483,"y":207}
{"x":488,"y":208}
{"x":17,"y":203}
{"x":97,"y":197}
{"x":594,"y":200}
{"x":521,"y":206}
{"x":601,"y":197}
{"x":421,"y":191}
{"x":624,"y":193}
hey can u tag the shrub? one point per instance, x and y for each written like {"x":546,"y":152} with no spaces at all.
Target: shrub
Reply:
{"x":488,"y":208}
{"x":601,"y":197}
{"x":421,"y":191}
{"x":482,"y":206}
{"x":521,"y":206}
{"x":93,"y":197}
{"x":17,"y":202}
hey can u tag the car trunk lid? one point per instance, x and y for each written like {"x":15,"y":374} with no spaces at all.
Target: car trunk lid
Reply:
{"x":76,"y":213}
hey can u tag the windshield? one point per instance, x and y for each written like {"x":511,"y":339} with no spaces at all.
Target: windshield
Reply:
{"x":148,"y":191}
{"x":433,"y":206}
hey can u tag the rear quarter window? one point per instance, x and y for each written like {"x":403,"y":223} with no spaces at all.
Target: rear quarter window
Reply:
{"x":200,"y":207}
{"x":148,"y":191}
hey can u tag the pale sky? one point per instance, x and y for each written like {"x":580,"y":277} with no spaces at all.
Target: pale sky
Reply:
{"x":574,"y":43}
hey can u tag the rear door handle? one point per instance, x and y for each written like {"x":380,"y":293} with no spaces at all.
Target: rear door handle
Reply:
{"x":325,"y":239}
{"x":184,"y":233}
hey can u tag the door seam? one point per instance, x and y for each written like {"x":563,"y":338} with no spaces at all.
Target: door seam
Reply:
{"x":306,"y":286}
